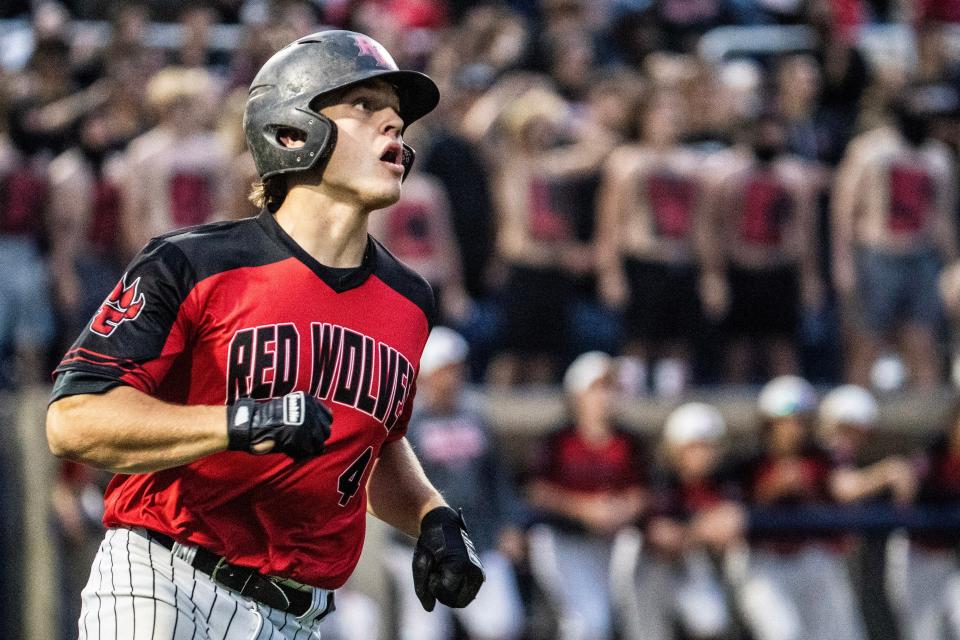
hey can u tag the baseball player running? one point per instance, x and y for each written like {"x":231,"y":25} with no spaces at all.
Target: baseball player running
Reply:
{"x":241,"y":522}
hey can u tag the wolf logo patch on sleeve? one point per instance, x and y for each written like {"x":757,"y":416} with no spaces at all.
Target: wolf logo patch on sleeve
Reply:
{"x":124,"y":303}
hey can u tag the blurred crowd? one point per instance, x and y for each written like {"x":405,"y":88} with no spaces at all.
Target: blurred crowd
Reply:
{"x":592,"y":183}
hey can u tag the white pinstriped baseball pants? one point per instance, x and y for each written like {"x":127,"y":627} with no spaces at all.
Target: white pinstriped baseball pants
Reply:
{"x":139,"y":591}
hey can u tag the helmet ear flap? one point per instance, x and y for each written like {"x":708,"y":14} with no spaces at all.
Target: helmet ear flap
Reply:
{"x":409,"y":155}
{"x":330,"y":141}
{"x":273,"y":157}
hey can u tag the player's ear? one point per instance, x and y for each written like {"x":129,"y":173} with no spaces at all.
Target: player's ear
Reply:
{"x":291,"y":137}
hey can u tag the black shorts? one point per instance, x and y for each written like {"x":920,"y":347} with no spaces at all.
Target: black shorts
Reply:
{"x":664,"y":302}
{"x":763,"y":302}
{"x":536,"y":307}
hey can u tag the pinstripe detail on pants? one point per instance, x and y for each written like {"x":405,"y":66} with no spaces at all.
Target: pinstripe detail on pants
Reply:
{"x":185,"y":604}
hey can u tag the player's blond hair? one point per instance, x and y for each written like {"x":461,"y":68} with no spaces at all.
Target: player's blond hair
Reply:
{"x":268,"y":193}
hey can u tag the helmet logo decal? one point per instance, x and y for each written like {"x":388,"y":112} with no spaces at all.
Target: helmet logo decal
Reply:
{"x":372,"y":48}
{"x":124,"y":303}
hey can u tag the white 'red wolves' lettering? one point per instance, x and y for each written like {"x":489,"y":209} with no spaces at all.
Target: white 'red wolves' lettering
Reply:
{"x":346,"y":368}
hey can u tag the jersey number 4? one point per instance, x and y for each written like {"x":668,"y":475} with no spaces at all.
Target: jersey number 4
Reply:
{"x":349,"y":481}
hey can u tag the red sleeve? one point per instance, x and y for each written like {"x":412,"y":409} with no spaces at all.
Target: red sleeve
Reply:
{"x":140,"y":328}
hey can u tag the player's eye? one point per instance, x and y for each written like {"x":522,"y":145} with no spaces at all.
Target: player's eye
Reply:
{"x":364,"y":103}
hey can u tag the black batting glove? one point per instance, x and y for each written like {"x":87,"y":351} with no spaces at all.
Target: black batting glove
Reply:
{"x":445,"y":562}
{"x":298,"y":424}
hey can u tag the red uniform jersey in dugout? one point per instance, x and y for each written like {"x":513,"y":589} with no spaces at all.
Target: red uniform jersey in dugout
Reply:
{"x":210,"y":314}
{"x":572,"y":463}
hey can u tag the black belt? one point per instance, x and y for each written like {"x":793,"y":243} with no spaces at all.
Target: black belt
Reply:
{"x":248,"y":581}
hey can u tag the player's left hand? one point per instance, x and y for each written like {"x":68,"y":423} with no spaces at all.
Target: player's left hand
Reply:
{"x":445,"y":562}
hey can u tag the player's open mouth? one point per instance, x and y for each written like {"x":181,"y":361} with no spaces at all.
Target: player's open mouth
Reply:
{"x":393,"y":156}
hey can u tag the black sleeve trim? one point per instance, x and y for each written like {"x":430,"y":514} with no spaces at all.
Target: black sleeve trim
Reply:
{"x":162,"y":276}
{"x":406,"y":282}
{"x":75,"y":383}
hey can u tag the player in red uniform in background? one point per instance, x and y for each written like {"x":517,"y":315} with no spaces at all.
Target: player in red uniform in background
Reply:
{"x":792,"y":585}
{"x":925,"y":582}
{"x":589,"y":486}
{"x":677,"y":584}
{"x":310,"y":333}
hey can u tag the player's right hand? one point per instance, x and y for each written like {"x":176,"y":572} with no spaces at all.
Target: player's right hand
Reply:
{"x":297,"y":424}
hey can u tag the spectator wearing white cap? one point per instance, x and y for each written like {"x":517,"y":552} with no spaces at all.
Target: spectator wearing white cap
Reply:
{"x":849,"y":415}
{"x":453,"y":440}
{"x":588,"y":486}
{"x":791,"y":585}
{"x":676,"y":582}
{"x":849,"y":418}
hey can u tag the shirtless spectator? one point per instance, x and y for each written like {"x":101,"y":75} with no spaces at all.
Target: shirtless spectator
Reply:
{"x":87,"y":255}
{"x":893,"y":226}
{"x":178,"y":170}
{"x":613,"y":101}
{"x":799,"y":80}
{"x":650,"y":217}
{"x":540,"y":171}
{"x":418,"y":231}
{"x":26,"y":318}
{"x":763,"y":252}
{"x":242,"y":173}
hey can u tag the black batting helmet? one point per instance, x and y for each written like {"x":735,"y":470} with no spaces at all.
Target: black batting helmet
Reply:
{"x":284,"y":90}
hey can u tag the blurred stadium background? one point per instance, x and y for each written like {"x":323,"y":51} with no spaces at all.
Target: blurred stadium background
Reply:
{"x":714,"y":192}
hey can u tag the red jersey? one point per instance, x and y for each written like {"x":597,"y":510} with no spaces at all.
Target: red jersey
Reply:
{"x":237,"y":309}
{"x":755,"y":476}
{"x":682,"y":501}
{"x":939,"y":487}
{"x":570,"y":462}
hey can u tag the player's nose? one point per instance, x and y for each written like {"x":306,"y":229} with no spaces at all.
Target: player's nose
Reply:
{"x":391,"y":123}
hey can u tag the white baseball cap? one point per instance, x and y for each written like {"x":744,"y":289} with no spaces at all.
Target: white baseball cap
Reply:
{"x":444,"y":347}
{"x":586,"y":370}
{"x":849,"y":404}
{"x":694,"y":422}
{"x":785,"y":396}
